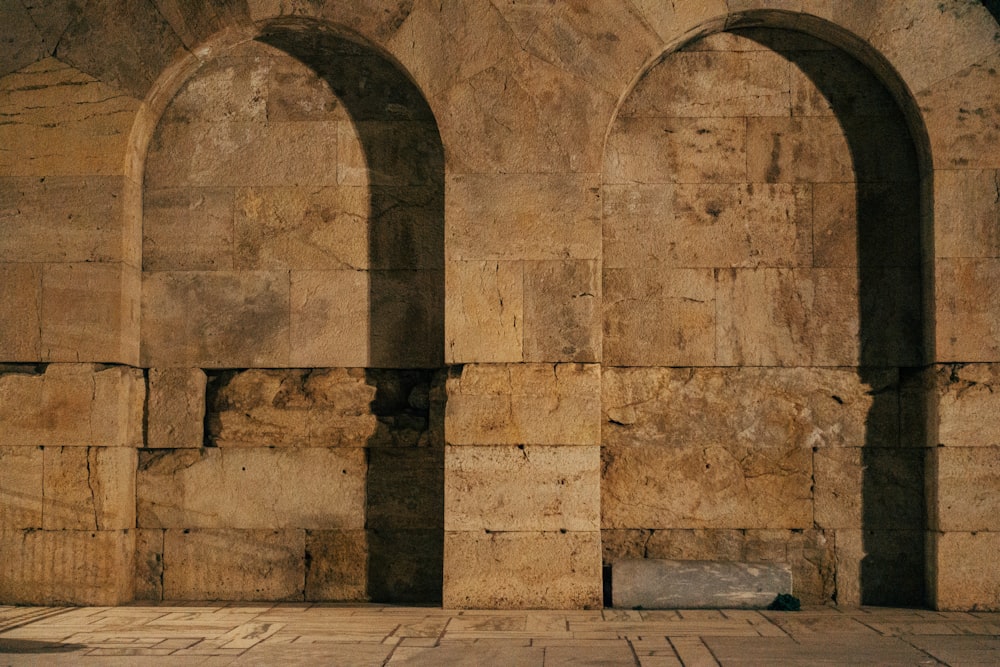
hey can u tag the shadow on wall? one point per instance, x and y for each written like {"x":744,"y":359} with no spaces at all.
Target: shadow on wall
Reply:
{"x":404,"y":159}
{"x":891,"y":326}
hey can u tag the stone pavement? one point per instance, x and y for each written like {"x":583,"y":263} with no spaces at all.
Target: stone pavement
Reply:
{"x":303,"y":633}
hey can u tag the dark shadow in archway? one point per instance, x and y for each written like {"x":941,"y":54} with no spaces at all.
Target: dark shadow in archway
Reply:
{"x":405,"y":169}
{"x":891,"y":317}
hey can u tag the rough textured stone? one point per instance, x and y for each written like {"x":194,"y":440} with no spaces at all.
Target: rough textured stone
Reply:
{"x":20,"y":302}
{"x":406,"y":319}
{"x":522,"y":488}
{"x":529,"y":404}
{"x":149,"y":564}
{"x":330,"y":318}
{"x":966,"y":405}
{"x":522,"y":570}
{"x":336,"y":565}
{"x":405,"y":565}
{"x":966,"y":309}
{"x":89,"y":488}
{"x":293,"y":408}
{"x":488,"y":325}
{"x":232,"y":564}
{"x":561,"y":311}
{"x":676,"y":584}
{"x":838,"y":476}
{"x":66,"y":567}
{"x":964,"y":483}
{"x":186,"y":229}
{"x":248,"y":488}
{"x":176,"y":408}
{"x":964,"y":570}
{"x":966,"y":217}
{"x":21,"y":494}
{"x":405,"y":487}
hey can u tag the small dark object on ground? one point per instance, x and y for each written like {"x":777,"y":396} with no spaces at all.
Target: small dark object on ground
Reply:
{"x":785,"y":602}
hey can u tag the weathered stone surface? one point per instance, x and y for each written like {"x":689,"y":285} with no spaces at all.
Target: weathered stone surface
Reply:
{"x":526,"y":488}
{"x":677,"y":584}
{"x":488,"y":323}
{"x":66,"y":567}
{"x":215,"y":319}
{"x":60,"y":121}
{"x":966,"y":217}
{"x":405,"y":488}
{"x":964,"y":489}
{"x":186,"y":229}
{"x":72,"y":405}
{"x":524,"y":404}
{"x":22,"y":43}
{"x":89,"y":488}
{"x":293,"y":408}
{"x":406,"y":319}
{"x":330,"y":321}
{"x":797,"y":150}
{"x":522,"y":216}
{"x":193,"y":22}
{"x":672,"y":20}
{"x":233,"y":564}
{"x":890,"y":559}
{"x":20,"y":302}
{"x":654,"y":317}
{"x":838,"y":480}
{"x":545,"y":570}
{"x":849,"y":555}
{"x":249,"y":488}
{"x":336,"y":565}
{"x":299,"y":94}
{"x":149,"y":564}
{"x":21,"y":487}
{"x":405,"y":565}
{"x":966,"y":405}
{"x":561,"y":311}
{"x":967,"y":316}
{"x":829,"y":82}
{"x":964,"y":570}
{"x":176,"y":408}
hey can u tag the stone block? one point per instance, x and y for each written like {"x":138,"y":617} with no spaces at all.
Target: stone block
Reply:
{"x":966,"y":217}
{"x":149,"y":564}
{"x":230,"y":564}
{"x":679,"y":584}
{"x":966,"y":405}
{"x":748,"y":408}
{"x":405,"y":488}
{"x":26,"y":43}
{"x":892,"y":567}
{"x":20,"y":302}
{"x":249,"y":488}
{"x":227,"y":87}
{"x":409,"y":407}
{"x":21,"y":487}
{"x":484,"y":320}
{"x":671,"y":21}
{"x":524,"y":404}
{"x":687,"y":225}
{"x":86,"y":313}
{"x":187,"y":229}
{"x":964,"y":570}
{"x":677,"y":150}
{"x":522,"y":216}
{"x":798,"y":150}
{"x":535,"y":570}
{"x":336,"y":565}
{"x":706,"y":486}
{"x":849,"y":554}
{"x":829,"y":82}
{"x":399,"y":152}
{"x":405,"y":565}
{"x":838,"y":474}
{"x":61,"y":219}
{"x":967,"y":309}
{"x":72,"y":405}
{"x":299,"y":93}
{"x":788,"y":317}
{"x":291,"y":408}
{"x":215,"y":319}
{"x":406,"y":227}
{"x":330,"y":318}
{"x":89,"y":488}
{"x":67,"y":567}
{"x":176,"y":408}
{"x":965,"y":484}
{"x":659,"y":317}
{"x":562,"y":311}
{"x":407,"y":319}
{"x":62,"y":122}
{"x":522,"y":488}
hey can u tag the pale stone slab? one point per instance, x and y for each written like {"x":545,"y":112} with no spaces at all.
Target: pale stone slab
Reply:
{"x":522,"y":570}
{"x":330,"y":321}
{"x":967,"y":317}
{"x":964,"y":482}
{"x":186,"y":229}
{"x":293,"y":408}
{"x":673,"y":584}
{"x":233,"y":564}
{"x":526,"y":488}
{"x":838,"y":474}
{"x":967,"y":402}
{"x":336,"y":565}
{"x":66,"y":567}
{"x":176,"y":408}
{"x":562,"y":311}
{"x":966,"y":215}
{"x":964,"y":570}
{"x":20,"y":301}
{"x":530,"y":404}
{"x":20,"y":487}
{"x":659,"y":317}
{"x":485,"y":319}
{"x":522,"y":216}
{"x":89,"y":488}
{"x":249,"y":488}
{"x":215,"y":319}
{"x":72,"y":405}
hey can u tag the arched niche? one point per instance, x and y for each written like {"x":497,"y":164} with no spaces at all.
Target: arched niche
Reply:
{"x":765,"y":233}
{"x":292,"y":252}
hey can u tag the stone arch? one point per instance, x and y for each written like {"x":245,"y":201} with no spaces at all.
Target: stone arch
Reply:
{"x":292,"y":223}
{"x":767,"y":226}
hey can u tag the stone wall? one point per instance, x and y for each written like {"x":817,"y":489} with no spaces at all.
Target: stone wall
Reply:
{"x":443,"y":300}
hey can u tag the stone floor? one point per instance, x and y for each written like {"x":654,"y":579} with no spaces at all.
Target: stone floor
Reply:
{"x":302,"y":633}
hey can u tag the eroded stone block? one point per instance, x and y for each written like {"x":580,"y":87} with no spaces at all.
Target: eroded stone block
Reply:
{"x":405,"y":565}
{"x":967,"y":306}
{"x":966,"y":217}
{"x":149,"y":564}
{"x":187,"y":229}
{"x":547,"y":570}
{"x":249,"y":488}
{"x":20,"y":301}
{"x":965,"y":573}
{"x":405,"y":487}
{"x":967,"y":405}
{"x":522,"y":488}
{"x":485,"y":320}
{"x":89,"y":488}
{"x":798,"y":150}
{"x":677,"y":584}
{"x":228,"y":564}
{"x":176,"y":408}
{"x":336,"y":565}
{"x":561,"y":311}
{"x":330,"y":321}
{"x":21,"y":487}
{"x":965,"y":482}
